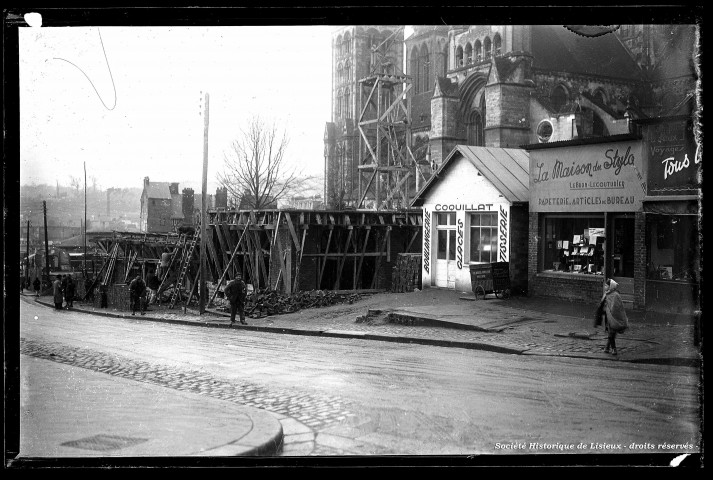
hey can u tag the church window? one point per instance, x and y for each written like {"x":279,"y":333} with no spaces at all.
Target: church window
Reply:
{"x":478,"y":51}
{"x":468,"y":53}
{"x":348,"y":110}
{"x":347,"y":43}
{"x":544,"y":131}
{"x":486,"y":47}
{"x":414,"y":69}
{"x":497,"y":43}
{"x":459,"y":56}
{"x":425,"y":64}
{"x":558,"y":98}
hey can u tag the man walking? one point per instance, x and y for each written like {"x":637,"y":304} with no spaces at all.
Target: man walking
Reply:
{"x":37,"y":286}
{"x":57,"y":292}
{"x":236,"y":292}
{"x":136,"y":291}
{"x":69,"y":292}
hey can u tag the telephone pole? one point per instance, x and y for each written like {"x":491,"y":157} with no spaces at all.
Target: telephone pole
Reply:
{"x":47,"y":245}
{"x":201,"y":295}
{"x":27,"y":255}
{"x":84,"y":232}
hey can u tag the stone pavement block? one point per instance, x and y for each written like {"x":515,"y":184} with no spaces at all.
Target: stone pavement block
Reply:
{"x":291,"y":426}
{"x":338,"y":442}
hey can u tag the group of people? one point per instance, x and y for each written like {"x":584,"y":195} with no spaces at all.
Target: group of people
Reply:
{"x":63,"y":291}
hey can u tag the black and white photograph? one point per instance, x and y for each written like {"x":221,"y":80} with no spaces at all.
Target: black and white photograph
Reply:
{"x":279,"y":237}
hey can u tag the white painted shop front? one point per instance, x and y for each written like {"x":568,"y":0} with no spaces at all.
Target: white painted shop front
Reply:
{"x":466,"y":212}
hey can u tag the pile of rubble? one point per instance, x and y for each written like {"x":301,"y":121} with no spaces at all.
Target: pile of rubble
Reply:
{"x":264,"y":303}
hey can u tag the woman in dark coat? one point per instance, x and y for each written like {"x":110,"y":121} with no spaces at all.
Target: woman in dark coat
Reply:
{"x":616,"y":320}
{"x":69,"y":292}
{"x":57,"y":292}
{"x":37,"y":286}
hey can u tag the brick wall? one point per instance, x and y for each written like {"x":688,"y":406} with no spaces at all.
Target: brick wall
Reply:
{"x":117,"y":297}
{"x":532,"y":244}
{"x":519,"y":235}
{"x":575,"y":287}
{"x":640,"y":260}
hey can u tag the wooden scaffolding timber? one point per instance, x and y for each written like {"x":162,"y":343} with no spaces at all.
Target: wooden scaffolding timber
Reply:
{"x":292,"y":250}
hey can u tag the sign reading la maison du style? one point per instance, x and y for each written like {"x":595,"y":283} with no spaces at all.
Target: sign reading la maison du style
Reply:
{"x":604,"y":177}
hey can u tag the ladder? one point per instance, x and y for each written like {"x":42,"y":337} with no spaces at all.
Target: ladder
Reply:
{"x":112,"y":263}
{"x":129,"y":266}
{"x":179,"y":246}
{"x":186,"y":262}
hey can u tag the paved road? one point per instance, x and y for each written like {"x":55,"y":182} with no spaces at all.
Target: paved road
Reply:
{"x":356,"y":397}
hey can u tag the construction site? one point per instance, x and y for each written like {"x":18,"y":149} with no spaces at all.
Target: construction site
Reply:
{"x":277,"y":252}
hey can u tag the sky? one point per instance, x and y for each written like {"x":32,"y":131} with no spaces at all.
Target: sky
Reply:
{"x":128,"y":101}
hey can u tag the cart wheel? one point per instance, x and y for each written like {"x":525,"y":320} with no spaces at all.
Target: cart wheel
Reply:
{"x":479,"y":293}
{"x":503,"y":293}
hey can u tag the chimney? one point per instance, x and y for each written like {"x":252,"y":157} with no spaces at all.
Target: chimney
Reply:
{"x":146,"y":182}
{"x":173,"y":188}
{"x":221,"y":197}
{"x":188,"y":205}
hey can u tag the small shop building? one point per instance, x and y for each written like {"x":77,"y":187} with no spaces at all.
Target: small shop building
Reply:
{"x":586,"y":223}
{"x":623,"y":207}
{"x":475,"y":211}
{"x":671,"y":215}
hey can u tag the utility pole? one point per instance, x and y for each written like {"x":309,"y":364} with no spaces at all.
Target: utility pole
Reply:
{"x":202,"y":286}
{"x":27,"y":255}
{"x":47,"y":245}
{"x":84,"y":264}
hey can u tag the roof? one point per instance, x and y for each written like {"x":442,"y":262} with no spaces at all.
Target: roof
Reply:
{"x":158,"y":190}
{"x":446,"y":88}
{"x":507,"y":169}
{"x":624,"y":137}
{"x":556,"y":48}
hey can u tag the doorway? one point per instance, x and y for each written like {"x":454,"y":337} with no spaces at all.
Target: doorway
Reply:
{"x":445,"y":264}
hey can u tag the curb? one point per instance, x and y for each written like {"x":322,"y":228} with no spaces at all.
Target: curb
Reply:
{"x":673,"y":361}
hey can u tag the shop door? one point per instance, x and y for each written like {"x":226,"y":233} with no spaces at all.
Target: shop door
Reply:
{"x":622,"y":247}
{"x":446,"y":251}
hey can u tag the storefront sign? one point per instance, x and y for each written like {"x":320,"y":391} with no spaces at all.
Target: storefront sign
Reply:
{"x":463,"y":206}
{"x":587,"y":178}
{"x":426,"y":240}
{"x":503,"y":235}
{"x":673,"y":158}
{"x":459,"y":242}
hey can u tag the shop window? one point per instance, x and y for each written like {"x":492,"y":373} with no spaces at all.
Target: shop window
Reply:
{"x":672,"y":248}
{"x":446,"y":219}
{"x":484,"y":237}
{"x":573,"y":244}
{"x":544,"y":131}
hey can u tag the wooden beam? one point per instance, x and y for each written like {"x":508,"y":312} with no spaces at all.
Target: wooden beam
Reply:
{"x":363,"y":251}
{"x":227,"y":267}
{"x":291,"y":226}
{"x":366,"y":190}
{"x":324,"y":260}
{"x":299,"y":262}
{"x":221,"y":241}
{"x":343,"y":260}
{"x":378,"y":259}
{"x":413,"y":238}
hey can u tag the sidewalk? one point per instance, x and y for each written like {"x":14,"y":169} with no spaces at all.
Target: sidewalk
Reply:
{"x":518,"y":325}
{"x":116,"y":416}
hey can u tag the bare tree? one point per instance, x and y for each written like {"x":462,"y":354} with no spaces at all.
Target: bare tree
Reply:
{"x":75,"y":182}
{"x":255,"y":169}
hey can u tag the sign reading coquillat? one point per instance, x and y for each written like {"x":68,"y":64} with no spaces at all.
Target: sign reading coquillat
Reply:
{"x":587,"y":178}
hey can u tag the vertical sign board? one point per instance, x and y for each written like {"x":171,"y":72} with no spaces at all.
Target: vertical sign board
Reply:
{"x":603,"y":177}
{"x":673,"y":159}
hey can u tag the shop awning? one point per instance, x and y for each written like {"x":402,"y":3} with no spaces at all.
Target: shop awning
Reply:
{"x":671,"y":204}
{"x":507,"y":169}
